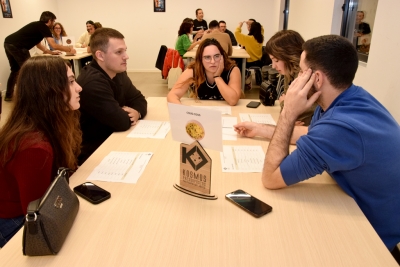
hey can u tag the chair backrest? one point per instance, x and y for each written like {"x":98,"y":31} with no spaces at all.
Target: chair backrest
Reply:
{"x":161,"y":57}
{"x":265,"y":60}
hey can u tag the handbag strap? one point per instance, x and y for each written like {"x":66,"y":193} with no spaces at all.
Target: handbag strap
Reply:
{"x":31,"y":216}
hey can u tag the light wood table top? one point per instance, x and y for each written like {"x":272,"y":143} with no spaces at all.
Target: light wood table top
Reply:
{"x":150,"y":223}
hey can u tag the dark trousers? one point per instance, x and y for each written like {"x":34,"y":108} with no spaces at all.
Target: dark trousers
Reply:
{"x":16,"y":57}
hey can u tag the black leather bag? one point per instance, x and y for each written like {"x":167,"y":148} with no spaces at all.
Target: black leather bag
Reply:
{"x":268,"y":93}
{"x":50,"y":218}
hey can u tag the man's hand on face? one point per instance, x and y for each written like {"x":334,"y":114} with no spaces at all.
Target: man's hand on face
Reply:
{"x":296,"y":100}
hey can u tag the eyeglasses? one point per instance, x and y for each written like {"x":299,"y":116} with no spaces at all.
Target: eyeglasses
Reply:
{"x":57,"y":28}
{"x":217,"y":57}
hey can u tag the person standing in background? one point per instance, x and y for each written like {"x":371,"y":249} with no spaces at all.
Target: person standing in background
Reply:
{"x":199,"y":24}
{"x":18,"y":44}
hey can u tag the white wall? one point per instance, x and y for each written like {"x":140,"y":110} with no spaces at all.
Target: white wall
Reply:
{"x":312,"y":18}
{"x":145,"y":31}
{"x":379,"y":76}
{"x":381,"y":73}
{"x":24,"y":12}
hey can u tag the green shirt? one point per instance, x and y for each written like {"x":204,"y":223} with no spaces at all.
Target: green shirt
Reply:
{"x":182,"y":44}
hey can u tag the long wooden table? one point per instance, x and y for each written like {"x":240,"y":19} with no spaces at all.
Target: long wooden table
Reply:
{"x":75,"y":60}
{"x":236,"y":53}
{"x":150,"y":223}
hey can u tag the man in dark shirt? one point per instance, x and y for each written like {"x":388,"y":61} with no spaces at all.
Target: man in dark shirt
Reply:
{"x":18,"y":44}
{"x":222,"y":28}
{"x":199,"y":24}
{"x":109,"y":101}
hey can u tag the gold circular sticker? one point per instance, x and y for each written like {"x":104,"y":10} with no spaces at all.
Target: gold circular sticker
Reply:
{"x":195,"y":130}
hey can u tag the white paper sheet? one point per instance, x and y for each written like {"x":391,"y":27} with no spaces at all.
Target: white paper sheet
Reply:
{"x":225,"y":110}
{"x":123,"y":167}
{"x":150,"y":129}
{"x":203,"y":124}
{"x":228,"y":133}
{"x":259,"y":118}
{"x":242,"y":159}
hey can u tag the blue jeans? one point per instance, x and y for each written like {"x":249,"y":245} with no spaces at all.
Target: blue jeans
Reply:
{"x":9,"y":227}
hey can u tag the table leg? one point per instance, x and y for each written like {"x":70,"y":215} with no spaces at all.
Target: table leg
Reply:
{"x":243,"y":73}
{"x":77,"y":67}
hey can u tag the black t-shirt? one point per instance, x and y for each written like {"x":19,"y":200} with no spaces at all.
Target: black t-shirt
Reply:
{"x":29,"y":35}
{"x":198,"y":25}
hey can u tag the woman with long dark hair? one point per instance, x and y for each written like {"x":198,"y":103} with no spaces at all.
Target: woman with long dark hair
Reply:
{"x":183,"y":44}
{"x":41,"y":134}
{"x":253,"y":42}
{"x":211,"y":76}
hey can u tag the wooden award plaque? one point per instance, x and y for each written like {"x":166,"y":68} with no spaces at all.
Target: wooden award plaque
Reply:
{"x":195,"y":171}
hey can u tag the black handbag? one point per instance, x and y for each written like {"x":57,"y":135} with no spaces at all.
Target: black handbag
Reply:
{"x":50,"y":218}
{"x":268,"y":93}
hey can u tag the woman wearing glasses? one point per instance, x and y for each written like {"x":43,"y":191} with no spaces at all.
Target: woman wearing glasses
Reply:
{"x":58,"y":32}
{"x":211,"y":76}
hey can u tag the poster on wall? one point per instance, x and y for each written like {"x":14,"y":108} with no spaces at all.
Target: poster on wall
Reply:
{"x":159,"y":5}
{"x":6,"y":8}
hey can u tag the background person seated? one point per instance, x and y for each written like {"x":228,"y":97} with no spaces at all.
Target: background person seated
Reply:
{"x":222,"y":38}
{"x":183,"y":44}
{"x":252,"y":42}
{"x":58,"y":32}
{"x":84,"y":39}
{"x":211,"y":76}
{"x":222,"y":28}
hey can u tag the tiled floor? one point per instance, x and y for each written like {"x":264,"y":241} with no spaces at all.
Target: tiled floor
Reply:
{"x":149,"y":83}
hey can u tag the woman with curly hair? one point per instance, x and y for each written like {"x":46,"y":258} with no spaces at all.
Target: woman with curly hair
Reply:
{"x":41,"y":134}
{"x":183,"y":44}
{"x":58,"y":32}
{"x":285,"y":48}
{"x":212,"y":75}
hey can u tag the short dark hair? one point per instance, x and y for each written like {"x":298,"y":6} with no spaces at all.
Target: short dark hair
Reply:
{"x":46,"y":16}
{"x":335,"y":56}
{"x":213,"y":24}
{"x":253,"y":20}
{"x":221,"y":21}
{"x":197,"y":10}
{"x":100,"y":39}
{"x":90,"y":22}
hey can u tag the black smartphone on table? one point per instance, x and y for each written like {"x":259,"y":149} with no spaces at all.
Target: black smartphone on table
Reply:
{"x":253,"y":104}
{"x":92,"y":193}
{"x":247,"y":202}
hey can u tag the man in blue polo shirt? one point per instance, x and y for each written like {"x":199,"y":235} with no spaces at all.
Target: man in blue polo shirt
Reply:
{"x":351,"y":136}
